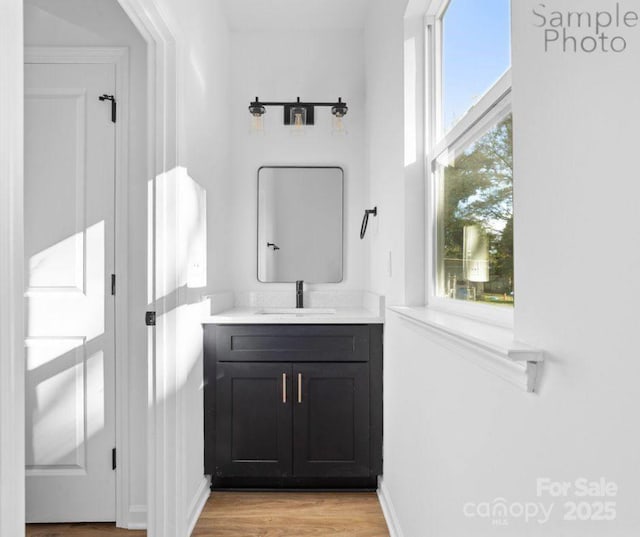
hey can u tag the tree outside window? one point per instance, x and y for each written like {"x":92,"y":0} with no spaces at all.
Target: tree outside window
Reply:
{"x":476,"y":227}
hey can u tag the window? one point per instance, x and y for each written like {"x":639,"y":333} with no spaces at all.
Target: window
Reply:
{"x":475,"y":224}
{"x":476,"y":51}
{"x":471,"y":156}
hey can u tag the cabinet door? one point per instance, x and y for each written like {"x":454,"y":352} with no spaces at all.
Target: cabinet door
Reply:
{"x":331,"y":420}
{"x":253,"y":427}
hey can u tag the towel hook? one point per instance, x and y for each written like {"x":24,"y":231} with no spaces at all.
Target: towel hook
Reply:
{"x":365,"y":220}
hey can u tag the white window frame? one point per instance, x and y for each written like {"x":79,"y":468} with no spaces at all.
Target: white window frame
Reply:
{"x":489,"y":110}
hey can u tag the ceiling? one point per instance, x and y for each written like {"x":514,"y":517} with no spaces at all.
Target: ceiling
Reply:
{"x":295,"y":14}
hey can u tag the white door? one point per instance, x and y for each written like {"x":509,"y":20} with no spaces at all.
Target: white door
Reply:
{"x":69,"y":247}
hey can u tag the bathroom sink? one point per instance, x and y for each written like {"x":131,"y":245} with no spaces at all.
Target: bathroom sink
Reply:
{"x":296,"y":311}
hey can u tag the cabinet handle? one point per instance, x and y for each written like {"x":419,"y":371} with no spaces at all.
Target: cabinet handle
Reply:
{"x":299,"y":387}
{"x":284,"y":387}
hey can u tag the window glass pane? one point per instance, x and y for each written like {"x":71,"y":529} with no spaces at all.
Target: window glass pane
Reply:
{"x":475,"y":223}
{"x":476,"y":52}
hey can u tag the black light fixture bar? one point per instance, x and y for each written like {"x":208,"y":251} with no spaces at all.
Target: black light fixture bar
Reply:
{"x":257,"y":108}
{"x":257,"y":102}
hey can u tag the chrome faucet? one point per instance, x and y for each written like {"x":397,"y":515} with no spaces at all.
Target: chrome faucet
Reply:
{"x":299,"y":294}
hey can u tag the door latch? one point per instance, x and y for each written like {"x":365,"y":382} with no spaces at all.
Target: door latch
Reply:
{"x":150,"y":318}
{"x":111,"y":98}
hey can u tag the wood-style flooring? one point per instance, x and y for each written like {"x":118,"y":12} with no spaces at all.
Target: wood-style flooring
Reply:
{"x":80,"y":530}
{"x":263,"y":514}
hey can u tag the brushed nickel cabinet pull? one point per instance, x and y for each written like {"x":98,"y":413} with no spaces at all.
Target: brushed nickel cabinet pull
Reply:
{"x":299,"y":387}
{"x":284,"y":387}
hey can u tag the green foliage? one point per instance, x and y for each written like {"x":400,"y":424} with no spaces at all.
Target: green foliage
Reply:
{"x":478,"y":190}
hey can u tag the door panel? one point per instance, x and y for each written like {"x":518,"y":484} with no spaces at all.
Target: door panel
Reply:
{"x":69,"y":247}
{"x":56,"y":257}
{"x":253,"y":429}
{"x":60,"y":394}
{"x":331,"y":420}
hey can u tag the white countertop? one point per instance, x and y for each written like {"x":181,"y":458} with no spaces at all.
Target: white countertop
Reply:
{"x":254,"y":316}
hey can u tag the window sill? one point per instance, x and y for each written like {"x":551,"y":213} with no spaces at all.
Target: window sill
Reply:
{"x":491,"y":346}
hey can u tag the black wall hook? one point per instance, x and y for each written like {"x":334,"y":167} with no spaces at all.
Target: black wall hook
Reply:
{"x":365,"y":220}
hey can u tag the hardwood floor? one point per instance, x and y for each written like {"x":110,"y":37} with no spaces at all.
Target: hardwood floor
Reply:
{"x":262,"y":514}
{"x":80,"y":530}
{"x":285,"y":514}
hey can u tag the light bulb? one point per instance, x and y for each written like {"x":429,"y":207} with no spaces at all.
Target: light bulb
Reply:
{"x":298,"y":120}
{"x":338,"y":111}
{"x":257,"y":124}
{"x":338,"y":128}
{"x":257,"y":111}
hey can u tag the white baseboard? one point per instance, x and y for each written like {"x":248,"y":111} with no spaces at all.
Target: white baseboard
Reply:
{"x":393,"y":524}
{"x":197,"y":503}
{"x":138,"y":513}
{"x":137,"y":517}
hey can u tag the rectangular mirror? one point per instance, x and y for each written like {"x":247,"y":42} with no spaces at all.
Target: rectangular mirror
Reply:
{"x":300,"y":224}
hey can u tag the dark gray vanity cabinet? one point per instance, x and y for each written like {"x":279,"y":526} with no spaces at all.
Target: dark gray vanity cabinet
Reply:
{"x":293,"y":406}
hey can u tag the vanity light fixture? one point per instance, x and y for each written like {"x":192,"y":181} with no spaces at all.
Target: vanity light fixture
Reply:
{"x":298,"y":114}
{"x":257,"y":111}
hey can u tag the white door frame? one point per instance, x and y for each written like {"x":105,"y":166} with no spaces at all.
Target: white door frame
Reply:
{"x":119,"y":58}
{"x":165,"y":509}
{"x":167,"y":504}
{"x":12,"y":389}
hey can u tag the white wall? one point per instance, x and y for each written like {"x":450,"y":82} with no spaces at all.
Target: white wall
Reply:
{"x":456,"y":434}
{"x":103,"y":23}
{"x":385,"y":148}
{"x":280,"y":65}
{"x":203,"y":42}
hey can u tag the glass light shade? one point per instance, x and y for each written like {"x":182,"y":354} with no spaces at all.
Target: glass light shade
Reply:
{"x":298,"y":120}
{"x":337,"y":126}
{"x":257,"y":124}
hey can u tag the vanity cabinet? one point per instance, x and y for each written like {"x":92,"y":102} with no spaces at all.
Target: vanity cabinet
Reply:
{"x":293,"y":406}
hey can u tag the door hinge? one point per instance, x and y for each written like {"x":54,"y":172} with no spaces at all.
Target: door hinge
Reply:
{"x":111,"y":98}
{"x":113,"y":284}
{"x":150,"y":318}
{"x":113,"y":459}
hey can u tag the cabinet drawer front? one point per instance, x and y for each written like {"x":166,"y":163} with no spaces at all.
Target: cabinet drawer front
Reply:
{"x":292,"y":343}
